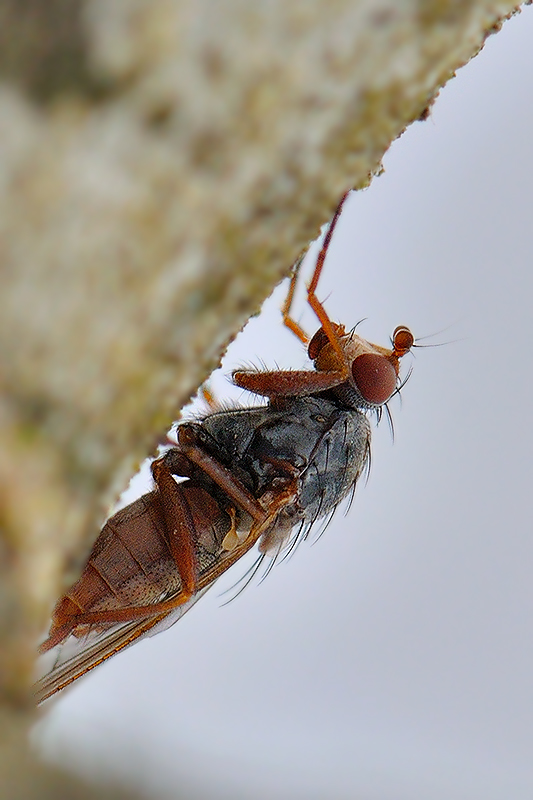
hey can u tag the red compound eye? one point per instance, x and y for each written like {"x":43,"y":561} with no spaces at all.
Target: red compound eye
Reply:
{"x":375,"y":377}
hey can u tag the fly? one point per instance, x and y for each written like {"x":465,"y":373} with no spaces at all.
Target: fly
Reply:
{"x":250,"y":476}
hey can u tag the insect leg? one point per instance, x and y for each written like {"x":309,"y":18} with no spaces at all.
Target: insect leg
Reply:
{"x":328,"y":327}
{"x":180,"y":526}
{"x":287,"y":383}
{"x":189,"y":439}
{"x":273,"y":501}
{"x":288,"y":321}
{"x":181,"y":532}
{"x":312,"y":299}
{"x":174,"y":503}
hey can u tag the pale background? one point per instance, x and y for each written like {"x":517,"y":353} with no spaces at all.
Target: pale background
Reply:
{"x":393,"y":660}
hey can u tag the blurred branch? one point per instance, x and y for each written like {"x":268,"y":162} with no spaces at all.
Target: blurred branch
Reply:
{"x":162,"y":165}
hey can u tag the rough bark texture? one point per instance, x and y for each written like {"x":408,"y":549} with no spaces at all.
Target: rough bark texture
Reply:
{"x":162,"y":164}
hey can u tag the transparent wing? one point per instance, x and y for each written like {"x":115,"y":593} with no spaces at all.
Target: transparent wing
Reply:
{"x":78,"y":655}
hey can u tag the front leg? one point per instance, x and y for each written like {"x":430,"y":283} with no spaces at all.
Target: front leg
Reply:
{"x":287,"y":383}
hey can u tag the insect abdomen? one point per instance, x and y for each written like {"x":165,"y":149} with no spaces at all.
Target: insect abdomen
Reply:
{"x":131,"y":562}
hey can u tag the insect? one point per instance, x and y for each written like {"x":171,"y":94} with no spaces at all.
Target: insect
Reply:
{"x":248,"y":475}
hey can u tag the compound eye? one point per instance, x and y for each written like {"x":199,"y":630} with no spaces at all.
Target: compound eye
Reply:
{"x":375,"y":378}
{"x":402,"y":340}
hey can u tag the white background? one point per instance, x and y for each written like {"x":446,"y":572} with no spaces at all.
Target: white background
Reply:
{"x":393,"y":660}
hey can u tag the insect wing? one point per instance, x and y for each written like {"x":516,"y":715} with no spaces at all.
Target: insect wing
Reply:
{"x":77,"y":656}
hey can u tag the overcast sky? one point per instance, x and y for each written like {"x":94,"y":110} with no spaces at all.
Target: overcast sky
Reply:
{"x":393,"y":660}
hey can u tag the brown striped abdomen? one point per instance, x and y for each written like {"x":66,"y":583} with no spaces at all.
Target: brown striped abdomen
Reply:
{"x":131,"y":563}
